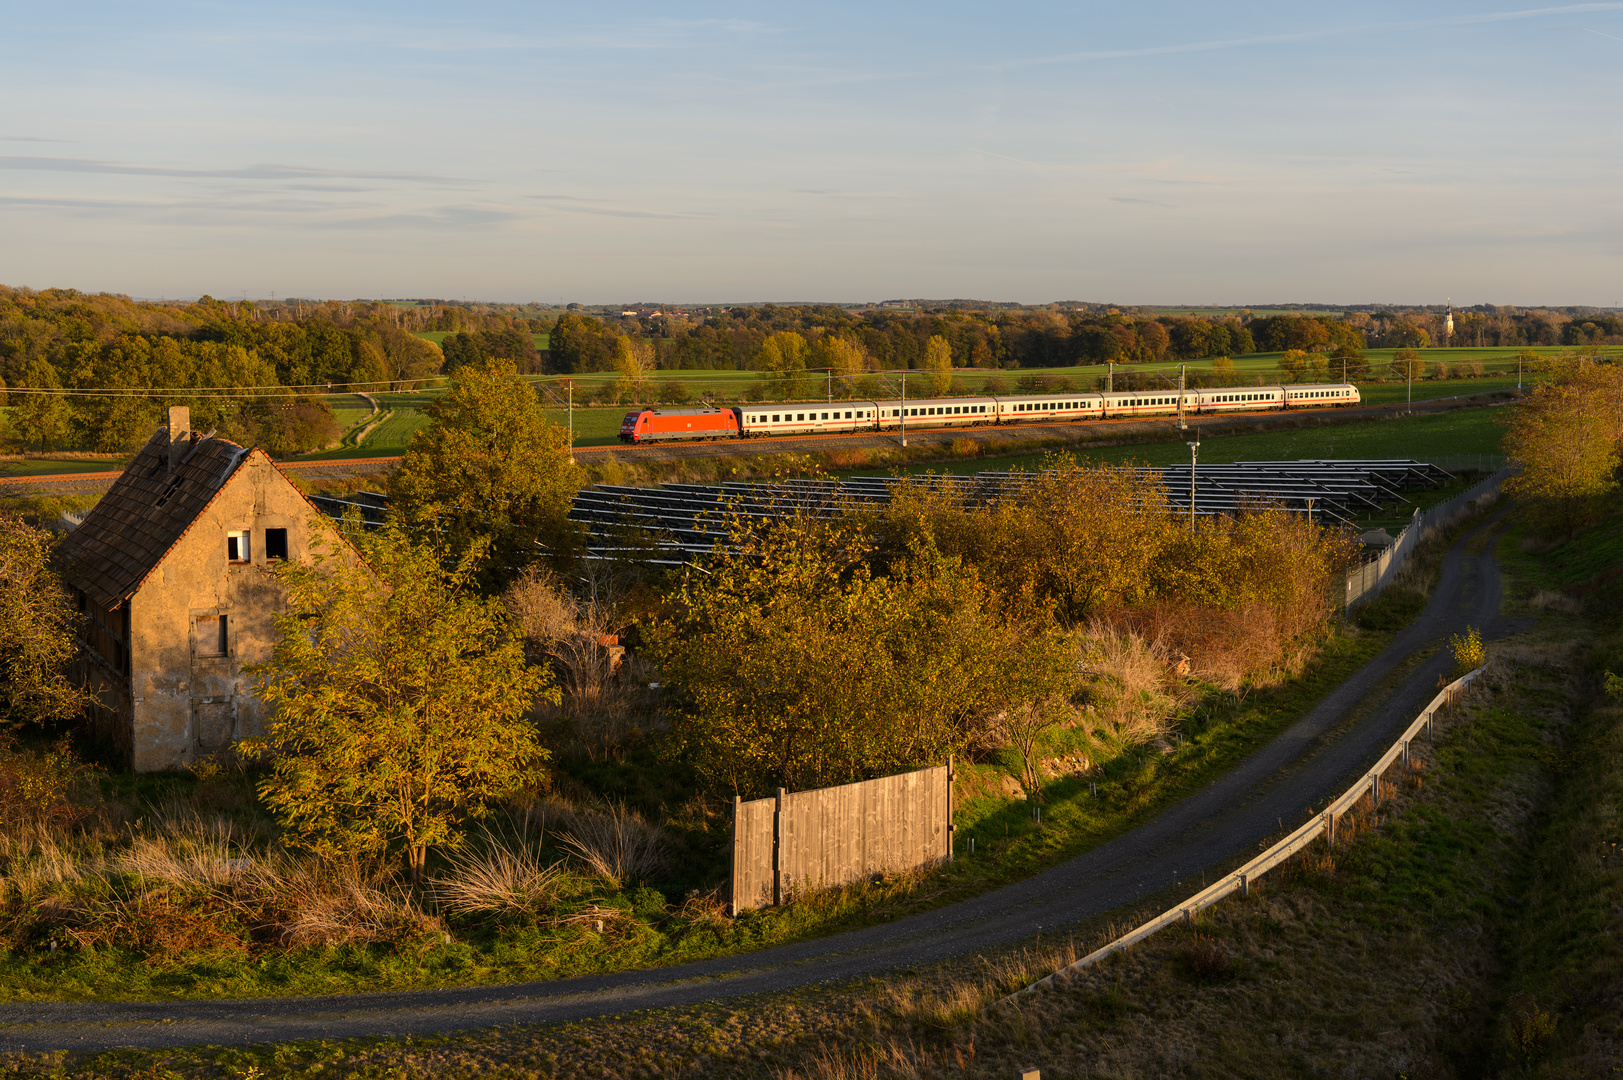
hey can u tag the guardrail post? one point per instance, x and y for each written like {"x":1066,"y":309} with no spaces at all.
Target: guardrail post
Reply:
{"x":1245,"y":885}
{"x":1330,"y":828}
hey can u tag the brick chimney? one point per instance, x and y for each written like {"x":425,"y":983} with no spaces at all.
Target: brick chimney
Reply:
{"x":180,"y":434}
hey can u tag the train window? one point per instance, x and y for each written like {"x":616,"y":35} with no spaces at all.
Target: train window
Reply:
{"x":800,"y":417}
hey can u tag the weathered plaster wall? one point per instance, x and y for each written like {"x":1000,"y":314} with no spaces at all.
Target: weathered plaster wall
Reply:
{"x":188,"y":705}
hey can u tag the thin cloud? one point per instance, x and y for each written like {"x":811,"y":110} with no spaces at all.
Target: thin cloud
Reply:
{"x":1307,"y":35}
{"x":32,"y":138}
{"x":1597,"y":33}
{"x":1141,"y":202}
{"x":589,"y":206}
{"x":21,"y":163}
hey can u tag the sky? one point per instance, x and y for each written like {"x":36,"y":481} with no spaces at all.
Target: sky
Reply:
{"x":1145,"y":153}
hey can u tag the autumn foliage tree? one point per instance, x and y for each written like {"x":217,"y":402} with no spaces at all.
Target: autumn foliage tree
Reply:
{"x":796,"y":665}
{"x":398,"y":700}
{"x":1566,"y":436}
{"x":37,"y":623}
{"x":489,"y":469}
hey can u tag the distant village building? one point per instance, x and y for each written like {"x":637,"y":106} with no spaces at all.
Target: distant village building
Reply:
{"x":172,"y":571}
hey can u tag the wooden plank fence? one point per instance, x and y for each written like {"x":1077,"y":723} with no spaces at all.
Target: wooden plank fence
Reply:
{"x":799,"y":841}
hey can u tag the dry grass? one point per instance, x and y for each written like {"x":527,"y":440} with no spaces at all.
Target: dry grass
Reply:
{"x":500,"y":878}
{"x":1549,"y":600}
{"x":566,"y":630}
{"x":1134,"y":695}
{"x":616,"y":844}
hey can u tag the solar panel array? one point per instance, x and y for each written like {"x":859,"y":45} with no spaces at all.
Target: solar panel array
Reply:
{"x":674,"y":522}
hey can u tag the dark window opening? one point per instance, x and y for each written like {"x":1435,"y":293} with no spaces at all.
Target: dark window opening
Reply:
{"x":276,"y":543}
{"x":236,"y":547}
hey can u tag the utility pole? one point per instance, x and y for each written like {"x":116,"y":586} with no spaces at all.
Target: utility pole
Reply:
{"x":1181,"y":370}
{"x":571,"y":385}
{"x":1518,"y":371}
{"x":904,"y":408}
{"x":831,"y":386}
{"x":1194,"y":451}
{"x":1110,"y":376}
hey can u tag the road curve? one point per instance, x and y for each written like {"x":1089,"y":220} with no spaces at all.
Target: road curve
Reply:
{"x":1275,"y":787}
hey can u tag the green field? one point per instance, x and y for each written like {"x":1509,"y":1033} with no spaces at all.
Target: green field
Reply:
{"x":542,"y":341}
{"x":47,"y":465}
{"x":599,"y":425}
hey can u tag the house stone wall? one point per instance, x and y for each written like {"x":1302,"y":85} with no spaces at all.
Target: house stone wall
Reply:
{"x":187,"y":705}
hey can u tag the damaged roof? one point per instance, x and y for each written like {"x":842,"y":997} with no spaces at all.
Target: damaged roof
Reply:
{"x":127,"y":534}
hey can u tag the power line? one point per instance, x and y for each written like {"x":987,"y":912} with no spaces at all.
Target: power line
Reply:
{"x":317,"y":390}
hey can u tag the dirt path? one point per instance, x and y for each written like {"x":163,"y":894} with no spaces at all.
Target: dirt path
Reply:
{"x":1274,"y":788}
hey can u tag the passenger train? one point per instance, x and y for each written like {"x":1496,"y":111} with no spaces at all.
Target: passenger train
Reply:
{"x":806,"y":418}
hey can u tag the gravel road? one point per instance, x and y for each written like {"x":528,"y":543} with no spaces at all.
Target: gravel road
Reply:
{"x":1273,"y":789}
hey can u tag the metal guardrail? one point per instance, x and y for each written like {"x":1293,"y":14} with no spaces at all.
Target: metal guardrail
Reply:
{"x":1321,"y":824}
{"x":1366,"y":582}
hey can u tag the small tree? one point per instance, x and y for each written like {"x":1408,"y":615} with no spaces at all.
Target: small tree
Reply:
{"x":938,"y":362}
{"x":399,"y":700}
{"x":633,"y":360}
{"x":1408,"y":364}
{"x":36,"y":630}
{"x":490,"y":468}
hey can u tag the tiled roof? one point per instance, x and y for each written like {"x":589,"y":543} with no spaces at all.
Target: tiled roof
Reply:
{"x":135,"y":524}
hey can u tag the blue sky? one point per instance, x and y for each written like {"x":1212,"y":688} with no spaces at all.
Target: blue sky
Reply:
{"x":1152,"y":152}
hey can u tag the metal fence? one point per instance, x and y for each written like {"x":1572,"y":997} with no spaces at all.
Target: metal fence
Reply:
{"x":1365,"y":582}
{"x":804,"y":840}
{"x":1321,"y":824}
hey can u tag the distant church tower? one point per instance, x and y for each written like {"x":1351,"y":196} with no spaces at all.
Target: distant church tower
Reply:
{"x":1448,"y":324}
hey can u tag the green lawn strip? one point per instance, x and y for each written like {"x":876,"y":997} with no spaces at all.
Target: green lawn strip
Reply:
{"x":1461,"y":431}
{"x":50,"y":466}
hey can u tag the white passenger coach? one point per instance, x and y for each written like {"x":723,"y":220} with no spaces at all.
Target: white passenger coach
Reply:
{"x":844,"y":416}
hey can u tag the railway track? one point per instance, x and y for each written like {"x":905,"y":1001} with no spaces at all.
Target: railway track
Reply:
{"x":333,"y":468}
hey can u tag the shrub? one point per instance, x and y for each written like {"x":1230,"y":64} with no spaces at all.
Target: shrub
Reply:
{"x":675,"y":392}
{"x":38,"y":787}
{"x":1207,"y":961}
{"x":1467,"y":650}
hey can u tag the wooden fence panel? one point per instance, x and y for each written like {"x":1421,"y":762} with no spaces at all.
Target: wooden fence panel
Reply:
{"x":834,"y":836}
{"x":754,"y":879}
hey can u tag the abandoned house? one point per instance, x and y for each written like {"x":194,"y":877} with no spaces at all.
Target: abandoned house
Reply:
{"x":172,"y":571}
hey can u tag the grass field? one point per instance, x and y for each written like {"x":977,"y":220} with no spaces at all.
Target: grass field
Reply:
{"x":542,"y":341}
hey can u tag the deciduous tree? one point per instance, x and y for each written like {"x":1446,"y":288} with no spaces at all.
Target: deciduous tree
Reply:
{"x":1566,"y":436}
{"x":37,"y":623}
{"x":398,"y":698}
{"x":490,"y":467}
{"x":938,"y":362}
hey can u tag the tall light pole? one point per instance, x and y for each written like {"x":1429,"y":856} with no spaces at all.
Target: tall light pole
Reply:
{"x":1194,"y":451}
{"x":571,"y":385}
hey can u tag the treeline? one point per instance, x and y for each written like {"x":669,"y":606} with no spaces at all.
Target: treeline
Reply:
{"x":737,"y":339}
{"x":252,"y":376}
